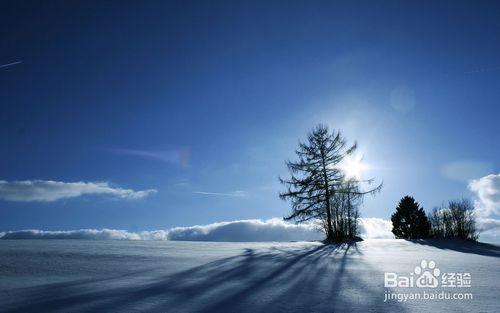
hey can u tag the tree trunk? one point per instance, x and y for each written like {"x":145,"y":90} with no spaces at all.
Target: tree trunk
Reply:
{"x":349,"y":225}
{"x":330,"y":234}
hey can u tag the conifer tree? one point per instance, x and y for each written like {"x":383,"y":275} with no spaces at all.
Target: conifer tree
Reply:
{"x":316,"y":182}
{"x":409,"y":221}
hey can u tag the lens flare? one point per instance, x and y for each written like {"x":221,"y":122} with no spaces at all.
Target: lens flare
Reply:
{"x":353,"y":167}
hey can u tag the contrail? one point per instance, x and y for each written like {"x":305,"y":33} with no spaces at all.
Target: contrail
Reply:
{"x":237,"y":193}
{"x":10,"y":64}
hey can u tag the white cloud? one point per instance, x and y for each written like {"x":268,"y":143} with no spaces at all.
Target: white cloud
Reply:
{"x":465,"y":170}
{"x":244,"y":230}
{"x":47,"y":190}
{"x":489,"y":227}
{"x":487,"y":192}
{"x":373,"y":227}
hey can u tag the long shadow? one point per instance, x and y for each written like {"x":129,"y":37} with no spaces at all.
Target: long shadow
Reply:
{"x":307,"y":280}
{"x":463,"y":246}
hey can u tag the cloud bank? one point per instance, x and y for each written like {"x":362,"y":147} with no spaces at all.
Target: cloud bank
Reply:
{"x":242,"y":231}
{"x":95,"y":234}
{"x":375,"y":228}
{"x":247,"y":230}
{"x":487,"y":205}
{"x":47,"y":190}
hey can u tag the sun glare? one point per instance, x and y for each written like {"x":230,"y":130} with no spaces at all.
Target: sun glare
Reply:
{"x":353,"y":167}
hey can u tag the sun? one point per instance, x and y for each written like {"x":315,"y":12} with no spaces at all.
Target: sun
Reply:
{"x":353,"y":167}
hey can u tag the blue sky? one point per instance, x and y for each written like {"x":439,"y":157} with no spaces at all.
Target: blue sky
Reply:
{"x":203,"y":102}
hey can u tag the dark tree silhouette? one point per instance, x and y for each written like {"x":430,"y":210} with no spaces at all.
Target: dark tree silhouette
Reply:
{"x":409,"y":221}
{"x":317,"y":181}
{"x":345,"y":203}
{"x":456,"y":220}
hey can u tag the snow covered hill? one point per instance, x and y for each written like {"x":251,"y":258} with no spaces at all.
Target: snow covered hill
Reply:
{"x":163,"y":276}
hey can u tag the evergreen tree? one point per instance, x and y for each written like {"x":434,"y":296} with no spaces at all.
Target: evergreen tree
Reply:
{"x":409,"y":221}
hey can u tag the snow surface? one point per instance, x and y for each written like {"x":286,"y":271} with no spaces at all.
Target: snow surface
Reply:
{"x":166,"y":276}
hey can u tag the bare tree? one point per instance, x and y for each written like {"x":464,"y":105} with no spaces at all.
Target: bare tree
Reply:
{"x":345,"y":210}
{"x":456,"y":220}
{"x":436,"y":219}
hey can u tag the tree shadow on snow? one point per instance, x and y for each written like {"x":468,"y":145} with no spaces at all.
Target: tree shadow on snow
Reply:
{"x":316,"y":279}
{"x":464,"y":246}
